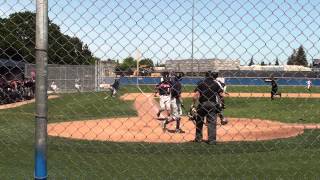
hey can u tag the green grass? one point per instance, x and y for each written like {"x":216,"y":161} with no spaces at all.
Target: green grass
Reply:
{"x":286,"y":159}
{"x":267,"y":89}
{"x":243,"y":89}
{"x":293,"y":158}
{"x":69,"y":107}
{"x":291,"y":110}
{"x":89,"y":106}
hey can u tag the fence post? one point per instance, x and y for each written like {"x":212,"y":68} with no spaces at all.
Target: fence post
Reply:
{"x":192,"y":38}
{"x":40,"y":166}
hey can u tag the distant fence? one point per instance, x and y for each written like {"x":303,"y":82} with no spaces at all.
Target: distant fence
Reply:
{"x":228,"y":80}
{"x":90,"y":79}
{"x":65,"y":76}
{"x":87,"y":75}
{"x":283,"y":74}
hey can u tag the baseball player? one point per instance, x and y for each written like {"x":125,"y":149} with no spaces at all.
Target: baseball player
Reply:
{"x":77,"y":85}
{"x":54,"y":87}
{"x":220,"y":82}
{"x":274,"y":88}
{"x":177,"y":79}
{"x":175,"y":102}
{"x":309,"y":84}
{"x":164,"y":90}
{"x":114,"y":88}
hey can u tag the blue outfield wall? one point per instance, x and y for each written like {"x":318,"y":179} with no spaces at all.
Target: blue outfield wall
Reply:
{"x":229,"y":81}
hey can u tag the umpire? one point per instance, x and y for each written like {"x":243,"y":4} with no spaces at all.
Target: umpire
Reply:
{"x":207,"y":93}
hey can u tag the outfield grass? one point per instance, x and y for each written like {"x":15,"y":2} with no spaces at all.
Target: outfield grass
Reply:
{"x":69,"y":107}
{"x":293,"y":158}
{"x":236,"y":89}
{"x":267,"y":89}
{"x":291,"y":110}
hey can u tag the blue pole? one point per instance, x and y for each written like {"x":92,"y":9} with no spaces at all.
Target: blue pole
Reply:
{"x":40,"y":164}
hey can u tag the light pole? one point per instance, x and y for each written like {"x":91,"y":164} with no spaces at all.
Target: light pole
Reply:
{"x":138,"y":56}
{"x":192,"y":37}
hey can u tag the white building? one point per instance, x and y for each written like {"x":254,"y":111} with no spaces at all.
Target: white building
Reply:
{"x":275,"y":68}
{"x":106,"y":68}
{"x":201,"y":65}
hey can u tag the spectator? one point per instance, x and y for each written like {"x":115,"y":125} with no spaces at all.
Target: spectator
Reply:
{"x":16,"y":90}
{"x":54,"y":87}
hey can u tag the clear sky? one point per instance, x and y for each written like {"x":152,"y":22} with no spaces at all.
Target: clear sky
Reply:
{"x":162,"y":29}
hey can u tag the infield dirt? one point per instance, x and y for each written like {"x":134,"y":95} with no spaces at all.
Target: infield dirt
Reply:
{"x":146,"y":128}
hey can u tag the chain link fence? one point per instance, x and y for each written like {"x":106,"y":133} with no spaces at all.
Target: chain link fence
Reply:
{"x":150,"y":89}
{"x":67,"y":76}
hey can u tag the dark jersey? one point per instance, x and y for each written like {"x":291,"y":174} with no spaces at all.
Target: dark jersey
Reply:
{"x":116,"y":84}
{"x":274,"y":86}
{"x":208,"y":89}
{"x":176,"y":88}
{"x":163,"y":88}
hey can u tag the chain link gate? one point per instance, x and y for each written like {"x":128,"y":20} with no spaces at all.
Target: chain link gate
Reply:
{"x":115,"y":71}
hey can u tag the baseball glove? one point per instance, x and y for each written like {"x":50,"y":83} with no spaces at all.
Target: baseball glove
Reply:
{"x":192,"y":114}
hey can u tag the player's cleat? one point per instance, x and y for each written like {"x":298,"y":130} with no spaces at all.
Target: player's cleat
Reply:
{"x":179,"y":131}
{"x":224,"y":121}
{"x":164,"y":125}
{"x":211,"y":142}
{"x":197,"y":141}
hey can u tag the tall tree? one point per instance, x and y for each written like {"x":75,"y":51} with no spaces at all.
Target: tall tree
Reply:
{"x":128,"y":63}
{"x":162,"y":65}
{"x":277,"y":62}
{"x":147,"y":62}
{"x":292,"y":58}
{"x":251,"y":61}
{"x":18,"y":41}
{"x":301,"y":57}
{"x":17,"y":33}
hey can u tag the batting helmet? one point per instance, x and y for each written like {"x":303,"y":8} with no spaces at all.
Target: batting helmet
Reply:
{"x":211,"y":74}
